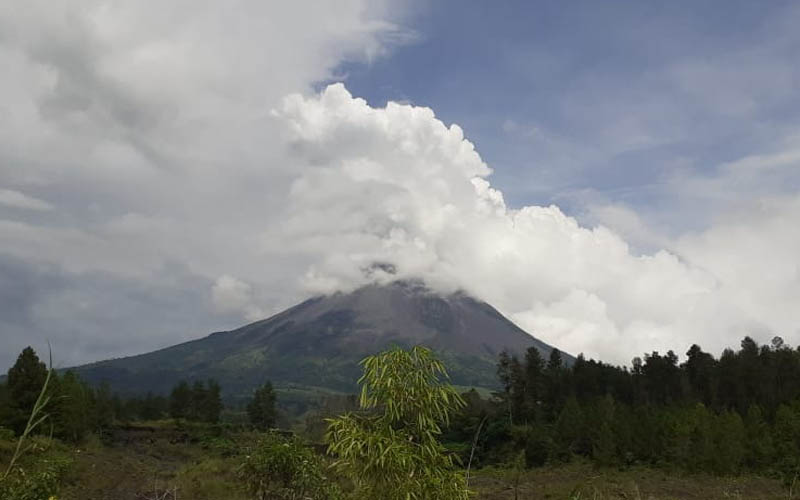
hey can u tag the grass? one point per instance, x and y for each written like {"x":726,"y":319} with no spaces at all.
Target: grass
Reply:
{"x":581,"y":481}
{"x":155,"y":461}
{"x":150,"y":461}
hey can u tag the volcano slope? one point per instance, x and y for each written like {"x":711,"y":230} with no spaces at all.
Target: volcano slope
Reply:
{"x":317,"y":344}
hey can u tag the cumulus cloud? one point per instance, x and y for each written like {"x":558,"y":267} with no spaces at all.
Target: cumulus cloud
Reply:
{"x":397,"y":185}
{"x":169,"y":141}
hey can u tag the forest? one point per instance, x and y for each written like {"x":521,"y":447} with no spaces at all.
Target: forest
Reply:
{"x":736,"y":415}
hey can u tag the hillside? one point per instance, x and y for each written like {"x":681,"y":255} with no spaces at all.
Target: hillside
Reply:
{"x":317,"y":344}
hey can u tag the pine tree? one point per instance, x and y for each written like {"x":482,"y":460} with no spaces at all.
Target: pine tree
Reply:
{"x":104,"y":407}
{"x":180,"y":401}
{"x":787,"y":441}
{"x":517,"y":391}
{"x":73,"y":407}
{"x":4,"y":405}
{"x":504,"y":375}
{"x":702,"y":449}
{"x":197,"y":400}
{"x":261,"y":409}
{"x":569,"y":430}
{"x":25,"y":381}
{"x":604,"y":449}
{"x":729,"y":440}
{"x":212,"y":404}
{"x":700,"y":367}
{"x":759,"y":439}
{"x":534,"y":384}
{"x":554,"y":386}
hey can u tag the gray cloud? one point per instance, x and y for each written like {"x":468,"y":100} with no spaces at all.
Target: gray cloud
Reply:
{"x":97,"y":315}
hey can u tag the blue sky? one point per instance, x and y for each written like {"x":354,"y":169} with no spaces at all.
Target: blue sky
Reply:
{"x":579,"y":103}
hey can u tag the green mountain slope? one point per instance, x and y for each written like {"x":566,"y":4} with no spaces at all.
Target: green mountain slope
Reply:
{"x":318,"y":344}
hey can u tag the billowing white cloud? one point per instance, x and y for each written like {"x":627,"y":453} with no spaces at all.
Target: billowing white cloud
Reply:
{"x":396,"y":185}
{"x":166,"y":140}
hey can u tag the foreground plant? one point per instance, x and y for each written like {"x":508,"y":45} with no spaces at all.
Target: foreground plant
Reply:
{"x":18,"y":484}
{"x":279,"y":468}
{"x":390,"y":449}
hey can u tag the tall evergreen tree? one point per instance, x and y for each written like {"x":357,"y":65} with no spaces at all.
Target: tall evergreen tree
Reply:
{"x":534,"y":384}
{"x":700,"y":367}
{"x":518,"y":396}
{"x":197,"y":400}
{"x":104,"y":407}
{"x":180,"y":401}
{"x":4,"y":405}
{"x":554,"y":385}
{"x":569,"y":430}
{"x":730,"y":440}
{"x":604,"y":449}
{"x":759,"y":444}
{"x":73,"y":408}
{"x":25,"y":381}
{"x":261,"y":409}
{"x":212,"y":404}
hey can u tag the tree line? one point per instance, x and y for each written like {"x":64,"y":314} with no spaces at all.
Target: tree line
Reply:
{"x":76,"y":408}
{"x":723,"y":415}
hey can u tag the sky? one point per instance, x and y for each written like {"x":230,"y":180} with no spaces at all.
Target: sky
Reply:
{"x":616,"y":178}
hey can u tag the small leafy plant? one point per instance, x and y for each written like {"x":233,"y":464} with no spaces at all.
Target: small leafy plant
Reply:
{"x":280,"y":468}
{"x":390,"y":450}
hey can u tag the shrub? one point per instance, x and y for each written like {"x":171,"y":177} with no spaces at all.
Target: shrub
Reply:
{"x":36,"y":478}
{"x":390,"y":450}
{"x":279,"y":468}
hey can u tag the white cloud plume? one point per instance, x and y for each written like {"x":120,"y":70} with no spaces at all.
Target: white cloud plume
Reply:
{"x":396,"y":185}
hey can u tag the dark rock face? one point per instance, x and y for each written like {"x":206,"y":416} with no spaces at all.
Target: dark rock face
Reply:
{"x":318,"y":343}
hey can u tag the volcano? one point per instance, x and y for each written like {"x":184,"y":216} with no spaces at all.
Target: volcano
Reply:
{"x":317,"y":344}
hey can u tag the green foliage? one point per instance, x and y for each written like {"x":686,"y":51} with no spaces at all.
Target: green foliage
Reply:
{"x":391,"y":450}
{"x":73,"y":407}
{"x":787,"y":441}
{"x":604,"y":449}
{"x":729,"y":438}
{"x":38,"y":481}
{"x":261,"y":409}
{"x":725,"y":416}
{"x":180,"y":401}
{"x":25,"y":381}
{"x":199,"y":403}
{"x":535,"y":442}
{"x":28,"y":475}
{"x":277,"y":468}
{"x":211,"y":407}
{"x":568,"y":430}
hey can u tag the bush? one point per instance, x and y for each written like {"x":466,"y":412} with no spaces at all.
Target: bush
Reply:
{"x":279,"y":468}
{"x":6,"y":434}
{"x":36,"y":478}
